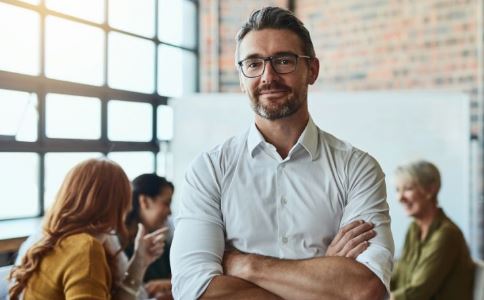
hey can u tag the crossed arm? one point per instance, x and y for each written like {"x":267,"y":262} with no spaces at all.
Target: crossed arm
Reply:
{"x":336,"y":276}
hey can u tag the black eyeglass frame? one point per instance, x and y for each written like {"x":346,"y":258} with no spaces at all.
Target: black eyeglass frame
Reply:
{"x":270,"y":59}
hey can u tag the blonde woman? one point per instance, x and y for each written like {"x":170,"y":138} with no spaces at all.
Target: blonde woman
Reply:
{"x":435,"y":263}
{"x":78,"y":256}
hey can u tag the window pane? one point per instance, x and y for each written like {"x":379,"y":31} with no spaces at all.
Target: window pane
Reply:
{"x":18,"y":115}
{"x":131,"y":63}
{"x":176,"y":71}
{"x":73,"y":117}
{"x":165,"y":164}
{"x":135,"y":16}
{"x":74,"y":52}
{"x":91,"y":10}
{"x":56,"y":167}
{"x":19,"y":36}
{"x":165,"y":122}
{"x":177,"y":22}
{"x":130,"y":121}
{"x":19,"y":185}
{"x":134,"y":163}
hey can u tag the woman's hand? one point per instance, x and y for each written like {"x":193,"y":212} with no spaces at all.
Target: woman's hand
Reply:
{"x":112,"y":246}
{"x":149,"y":246}
{"x":159,"y":289}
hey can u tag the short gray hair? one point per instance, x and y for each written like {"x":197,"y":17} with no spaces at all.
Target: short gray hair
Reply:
{"x":423,"y":173}
{"x":276,"y":18}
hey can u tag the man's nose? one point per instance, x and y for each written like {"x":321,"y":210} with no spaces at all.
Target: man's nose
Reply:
{"x":269,"y":73}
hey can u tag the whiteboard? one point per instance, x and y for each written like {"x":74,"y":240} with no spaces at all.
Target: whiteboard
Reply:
{"x":392,"y":126}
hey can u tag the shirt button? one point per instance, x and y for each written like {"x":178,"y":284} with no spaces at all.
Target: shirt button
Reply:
{"x":284,"y":240}
{"x":284,"y":201}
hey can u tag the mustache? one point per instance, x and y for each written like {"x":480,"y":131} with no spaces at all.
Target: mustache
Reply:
{"x":272,"y":86}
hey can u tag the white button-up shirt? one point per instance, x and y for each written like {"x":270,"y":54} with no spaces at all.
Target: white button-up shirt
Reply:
{"x":244,"y":194}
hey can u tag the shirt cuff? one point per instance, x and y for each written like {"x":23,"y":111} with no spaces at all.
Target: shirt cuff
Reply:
{"x":380,"y":261}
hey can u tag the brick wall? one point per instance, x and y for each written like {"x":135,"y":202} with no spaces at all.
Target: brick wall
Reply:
{"x":376,"y":44}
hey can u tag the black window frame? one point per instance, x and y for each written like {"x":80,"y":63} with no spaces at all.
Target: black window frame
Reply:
{"x":42,"y":85}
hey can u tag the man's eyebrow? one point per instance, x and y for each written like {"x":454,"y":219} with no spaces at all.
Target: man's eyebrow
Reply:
{"x":255,"y":55}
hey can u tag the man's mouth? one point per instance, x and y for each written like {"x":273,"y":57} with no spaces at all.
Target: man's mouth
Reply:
{"x":273,"y":92}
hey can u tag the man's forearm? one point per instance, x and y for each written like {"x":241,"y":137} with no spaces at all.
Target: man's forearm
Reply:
{"x":229,"y":287}
{"x":316,"y":278}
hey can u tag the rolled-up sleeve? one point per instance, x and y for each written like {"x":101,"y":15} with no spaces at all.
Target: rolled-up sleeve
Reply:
{"x":366,"y":200}
{"x":198,"y":243}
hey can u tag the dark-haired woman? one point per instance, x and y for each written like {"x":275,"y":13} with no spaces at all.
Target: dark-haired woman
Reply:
{"x":151,"y":200}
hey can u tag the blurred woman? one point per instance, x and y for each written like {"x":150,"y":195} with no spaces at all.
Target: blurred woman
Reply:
{"x":151,"y":200}
{"x":77,"y":256}
{"x":435,"y":263}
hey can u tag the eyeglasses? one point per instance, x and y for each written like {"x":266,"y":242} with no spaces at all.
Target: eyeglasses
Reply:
{"x":282,"y":64}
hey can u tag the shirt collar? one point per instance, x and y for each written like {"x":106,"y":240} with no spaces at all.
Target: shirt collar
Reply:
{"x":308,"y":139}
{"x":254,"y":139}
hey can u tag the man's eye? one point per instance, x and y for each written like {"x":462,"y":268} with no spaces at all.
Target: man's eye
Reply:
{"x":252,"y":64}
{"x":283,"y":61}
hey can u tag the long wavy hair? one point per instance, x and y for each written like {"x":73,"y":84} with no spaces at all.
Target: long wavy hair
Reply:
{"x":94,"y":198}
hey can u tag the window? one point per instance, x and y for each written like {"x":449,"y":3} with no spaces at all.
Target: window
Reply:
{"x":20,"y":189}
{"x":91,"y":10}
{"x":20,"y":47}
{"x":134,"y":163}
{"x":18,"y":116}
{"x":127,"y":56}
{"x":56,"y":167}
{"x":83,"y":80}
{"x":74,"y":51}
{"x":73,"y":117}
{"x":178,"y":65}
{"x":121,"y":12}
{"x":130,"y":121}
{"x":165,"y":123}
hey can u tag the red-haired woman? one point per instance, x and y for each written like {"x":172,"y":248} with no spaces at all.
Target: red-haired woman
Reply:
{"x":78,"y":257}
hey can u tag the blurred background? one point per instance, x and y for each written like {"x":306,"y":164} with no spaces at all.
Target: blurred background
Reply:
{"x":90,"y":78}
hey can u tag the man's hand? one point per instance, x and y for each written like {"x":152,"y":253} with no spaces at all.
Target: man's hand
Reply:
{"x":351,"y":240}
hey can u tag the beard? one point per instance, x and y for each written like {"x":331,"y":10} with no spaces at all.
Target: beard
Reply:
{"x":274,"y":111}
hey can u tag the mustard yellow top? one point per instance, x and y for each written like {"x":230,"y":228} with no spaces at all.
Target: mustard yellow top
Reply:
{"x":76,"y":269}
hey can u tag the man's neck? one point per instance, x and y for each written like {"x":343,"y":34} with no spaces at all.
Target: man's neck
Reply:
{"x":283,"y":133}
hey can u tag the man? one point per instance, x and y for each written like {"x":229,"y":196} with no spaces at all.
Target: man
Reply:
{"x":278,"y":212}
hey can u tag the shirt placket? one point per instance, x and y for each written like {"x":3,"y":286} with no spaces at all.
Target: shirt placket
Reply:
{"x":281,"y":200}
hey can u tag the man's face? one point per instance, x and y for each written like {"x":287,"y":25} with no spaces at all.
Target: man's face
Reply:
{"x":275,"y":96}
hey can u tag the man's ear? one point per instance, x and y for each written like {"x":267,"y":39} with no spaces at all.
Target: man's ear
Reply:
{"x":313,"y":70}
{"x":241,"y":82}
